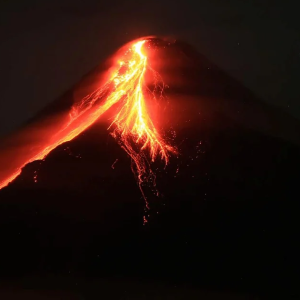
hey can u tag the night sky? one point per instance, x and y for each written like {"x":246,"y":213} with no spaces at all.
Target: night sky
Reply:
{"x":47,"y":46}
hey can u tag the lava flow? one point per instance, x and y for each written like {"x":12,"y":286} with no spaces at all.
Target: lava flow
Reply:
{"x":132,"y":125}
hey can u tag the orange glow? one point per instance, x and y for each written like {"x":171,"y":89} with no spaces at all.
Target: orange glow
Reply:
{"x":132,"y":125}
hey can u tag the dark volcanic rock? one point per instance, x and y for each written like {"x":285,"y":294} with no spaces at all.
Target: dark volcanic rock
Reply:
{"x":227,"y":216}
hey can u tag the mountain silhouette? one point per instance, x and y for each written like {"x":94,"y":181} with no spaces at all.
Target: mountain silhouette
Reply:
{"x":226,"y":216}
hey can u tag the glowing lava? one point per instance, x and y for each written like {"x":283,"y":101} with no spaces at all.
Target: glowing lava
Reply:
{"x":132,"y":126}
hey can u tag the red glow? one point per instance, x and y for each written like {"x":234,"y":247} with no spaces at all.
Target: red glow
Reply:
{"x":132,"y":125}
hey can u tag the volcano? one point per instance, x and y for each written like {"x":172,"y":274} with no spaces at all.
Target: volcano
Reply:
{"x":214,"y":205}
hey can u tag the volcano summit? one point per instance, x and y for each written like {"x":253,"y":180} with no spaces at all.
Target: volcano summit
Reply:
{"x":217,"y":167}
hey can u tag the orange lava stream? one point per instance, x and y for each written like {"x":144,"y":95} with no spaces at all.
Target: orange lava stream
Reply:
{"x":133,"y":127}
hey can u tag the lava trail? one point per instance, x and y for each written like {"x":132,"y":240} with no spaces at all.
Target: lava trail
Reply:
{"x":132,"y":125}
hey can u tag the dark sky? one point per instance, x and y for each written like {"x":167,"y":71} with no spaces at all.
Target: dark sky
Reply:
{"x":46,"y":46}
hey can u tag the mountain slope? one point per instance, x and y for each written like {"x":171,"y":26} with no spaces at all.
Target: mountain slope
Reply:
{"x":226,"y":216}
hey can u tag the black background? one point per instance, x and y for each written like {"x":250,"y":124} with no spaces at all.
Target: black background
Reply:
{"x":227,"y":221}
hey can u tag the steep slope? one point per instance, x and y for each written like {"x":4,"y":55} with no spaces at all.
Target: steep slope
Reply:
{"x":226,"y":213}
